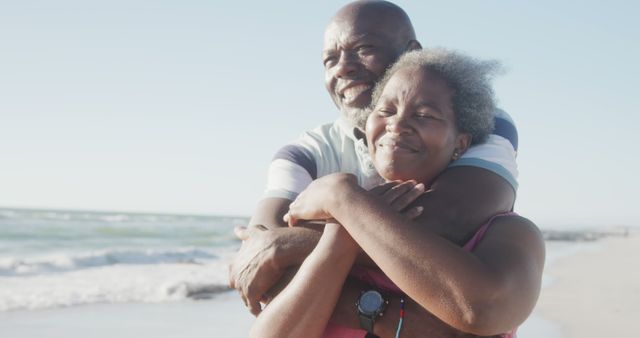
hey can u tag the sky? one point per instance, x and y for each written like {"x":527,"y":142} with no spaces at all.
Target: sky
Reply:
{"x":178,"y":106}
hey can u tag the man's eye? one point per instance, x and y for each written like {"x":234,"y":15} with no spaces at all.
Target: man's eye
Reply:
{"x":329,"y":61}
{"x":364,"y":49}
{"x":385,"y":112}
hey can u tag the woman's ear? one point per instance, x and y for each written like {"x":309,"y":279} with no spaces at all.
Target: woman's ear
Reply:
{"x":463,"y":142}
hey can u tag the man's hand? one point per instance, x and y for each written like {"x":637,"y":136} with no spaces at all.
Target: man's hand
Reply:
{"x":264,"y":257}
{"x":254,"y":270}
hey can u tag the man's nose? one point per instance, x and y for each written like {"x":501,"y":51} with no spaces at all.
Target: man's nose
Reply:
{"x":347,"y":65}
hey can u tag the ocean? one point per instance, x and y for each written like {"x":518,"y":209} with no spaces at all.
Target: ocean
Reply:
{"x":54,"y":259}
{"x":65,"y":273}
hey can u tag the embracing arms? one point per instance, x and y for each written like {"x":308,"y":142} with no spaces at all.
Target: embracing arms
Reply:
{"x":459,"y":201}
{"x":269,"y":213}
{"x":300,"y":311}
{"x":487,"y":292}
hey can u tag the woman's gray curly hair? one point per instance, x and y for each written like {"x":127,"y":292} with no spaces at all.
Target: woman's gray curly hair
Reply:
{"x":470,"y":79}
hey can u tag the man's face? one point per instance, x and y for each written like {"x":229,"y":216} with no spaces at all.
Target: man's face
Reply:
{"x":356,"y":53}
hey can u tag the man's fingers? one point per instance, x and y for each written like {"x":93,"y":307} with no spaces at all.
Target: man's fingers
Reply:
{"x":244,"y":299}
{"x":255,"y":308}
{"x":290,"y":220}
{"x":241,"y":232}
{"x":232,"y":279}
{"x":266,"y":298}
{"x":254,"y":299}
{"x":260,"y":227}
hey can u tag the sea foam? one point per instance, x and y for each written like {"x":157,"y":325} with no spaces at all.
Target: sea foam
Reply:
{"x":58,"y":258}
{"x":64,"y":262}
{"x":118,"y":283}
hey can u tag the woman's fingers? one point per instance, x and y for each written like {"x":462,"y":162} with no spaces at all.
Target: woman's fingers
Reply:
{"x":396,"y":191}
{"x":384,"y":187}
{"x":413,"y":213}
{"x":403,"y":194}
{"x":409,"y":196}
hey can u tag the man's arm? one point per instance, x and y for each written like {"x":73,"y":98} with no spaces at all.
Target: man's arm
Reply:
{"x":460,"y":200}
{"x":264,"y":257}
{"x":300,"y":312}
{"x":475,"y":187}
{"x":269,"y":212}
{"x":463,"y":198}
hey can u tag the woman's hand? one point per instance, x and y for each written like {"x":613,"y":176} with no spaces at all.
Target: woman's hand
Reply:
{"x":399,"y":195}
{"x":312,"y":203}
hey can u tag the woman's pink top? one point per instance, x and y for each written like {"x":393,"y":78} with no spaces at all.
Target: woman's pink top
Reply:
{"x":382,"y":282}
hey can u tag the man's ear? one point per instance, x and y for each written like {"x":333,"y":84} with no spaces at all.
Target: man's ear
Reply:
{"x":413,"y":45}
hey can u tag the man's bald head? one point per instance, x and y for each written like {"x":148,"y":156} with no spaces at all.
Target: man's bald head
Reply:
{"x":387,"y":15}
{"x":361,"y":41}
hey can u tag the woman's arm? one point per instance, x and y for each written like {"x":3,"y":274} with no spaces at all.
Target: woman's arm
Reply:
{"x":300,"y":311}
{"x":487,"y":292}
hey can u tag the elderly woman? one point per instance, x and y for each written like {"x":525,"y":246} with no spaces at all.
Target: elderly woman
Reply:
{"x":427,"y":110}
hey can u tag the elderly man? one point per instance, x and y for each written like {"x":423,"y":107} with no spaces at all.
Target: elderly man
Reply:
{"x":360,"y":42}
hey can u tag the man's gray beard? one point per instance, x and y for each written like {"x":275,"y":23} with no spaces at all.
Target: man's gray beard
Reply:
{"x":357,"y":117}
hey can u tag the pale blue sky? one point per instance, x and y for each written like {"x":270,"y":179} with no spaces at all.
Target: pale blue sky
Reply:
{"x":178,"y":106}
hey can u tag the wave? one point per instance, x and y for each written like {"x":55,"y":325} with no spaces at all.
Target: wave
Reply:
{"x":114,"y":284}
{"x":51,"y":259}
{"x":114,"y":217}
{"x":57,"y":263}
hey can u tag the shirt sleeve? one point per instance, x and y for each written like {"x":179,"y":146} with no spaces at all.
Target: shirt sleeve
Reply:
{"x":296,"y":165}
{"x":291,"y":170}
{"x":498,"y":154}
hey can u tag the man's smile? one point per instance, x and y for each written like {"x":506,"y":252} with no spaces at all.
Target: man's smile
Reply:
{"x":350,"y":93}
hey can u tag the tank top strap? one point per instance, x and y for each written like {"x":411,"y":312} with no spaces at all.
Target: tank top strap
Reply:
{"x":473,"y":242}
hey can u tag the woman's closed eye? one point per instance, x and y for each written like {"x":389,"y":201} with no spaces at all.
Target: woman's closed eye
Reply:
{"x":386,"y":112}
{"x":425,"y":116}
{"x":428,"y":114}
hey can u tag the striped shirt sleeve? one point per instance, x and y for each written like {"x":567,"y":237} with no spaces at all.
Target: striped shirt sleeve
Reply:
{"x":291,"y":170}
{"x":498,"y":153}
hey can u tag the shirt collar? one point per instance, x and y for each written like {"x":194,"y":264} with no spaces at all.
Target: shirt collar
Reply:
{"x":352,"y":132}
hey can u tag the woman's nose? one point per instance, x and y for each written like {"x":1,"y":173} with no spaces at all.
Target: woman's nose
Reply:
{"x":398,"y":124}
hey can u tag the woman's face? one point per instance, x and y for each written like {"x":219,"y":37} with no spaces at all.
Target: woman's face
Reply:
{"x":411,"y":132}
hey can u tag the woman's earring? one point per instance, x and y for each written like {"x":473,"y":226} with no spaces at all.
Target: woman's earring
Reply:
{"x":455,"y":155}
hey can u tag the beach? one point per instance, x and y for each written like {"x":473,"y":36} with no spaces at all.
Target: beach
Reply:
{"x":223,"y":316}
{"x":596,"y":291}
